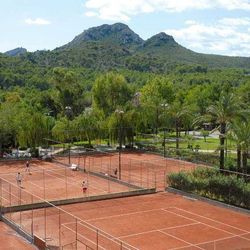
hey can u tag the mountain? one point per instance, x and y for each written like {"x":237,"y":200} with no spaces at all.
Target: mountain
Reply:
{"x":118,"y":33}
{"x":116,"y":46}
{"x":16,"y":52}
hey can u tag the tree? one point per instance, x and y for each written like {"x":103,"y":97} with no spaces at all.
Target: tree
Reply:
{"x":223,"y":112}
{"x":154,"y":95}
{"x":110,"y":91}
{"x":88,"y":124}
{"x":178,"y":113}
{"x":66,"y":82}
{"x":240,"y":133}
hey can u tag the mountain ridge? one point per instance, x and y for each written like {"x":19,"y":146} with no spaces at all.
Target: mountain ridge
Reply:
{"x":114,"y":46}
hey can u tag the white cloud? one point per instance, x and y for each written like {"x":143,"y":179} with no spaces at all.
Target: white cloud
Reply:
{"x":227,"y":36}
{"x":243,"y":21}
{"x":37,"y":21}
{"x":91,"y":14}
{"x":123,"y":10}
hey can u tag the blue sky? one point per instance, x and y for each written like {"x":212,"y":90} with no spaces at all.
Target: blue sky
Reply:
{"x":207,"y":26}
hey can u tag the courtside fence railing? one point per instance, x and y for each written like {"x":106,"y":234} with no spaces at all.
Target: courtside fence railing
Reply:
{"x":62,"y":183}
{"x":55,"y":227}
{"x":133,"y":172}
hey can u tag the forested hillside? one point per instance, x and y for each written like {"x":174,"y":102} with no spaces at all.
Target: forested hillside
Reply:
{"x":106,"y":69}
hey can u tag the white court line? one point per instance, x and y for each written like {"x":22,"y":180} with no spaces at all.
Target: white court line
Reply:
{"x":213,"y":241}
{"x":120,"y":215}
{"x":225,"y":231}
{"x":213,"y":226}
{"x":36,"y":185}
{"x":187,"y":242}
{"x":82,"y":236}
{"x":155,"y":230}
{"x":211,"y":219}
{"x":219,"y":223}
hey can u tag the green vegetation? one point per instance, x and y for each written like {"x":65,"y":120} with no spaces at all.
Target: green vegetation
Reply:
{"x":73,"y":93}
{"x":213,"y":184}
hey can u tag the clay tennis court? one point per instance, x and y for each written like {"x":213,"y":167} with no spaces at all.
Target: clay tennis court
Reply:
{"x":142,"y":169}
{"x":159,"y":221}
{"x":167,"y":221}
{"x":52,"y":181}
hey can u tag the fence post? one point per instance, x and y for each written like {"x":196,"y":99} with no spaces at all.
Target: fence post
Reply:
{"x":44,"y":186}
{"x":66,"y":183}
{"x":97,"y":239}
{"x":1,"y":197}
{"x":76,"y":234}
{"x":141,"y":174}
{"x":45,"y":222}
{"x":155,"y":184}
{"x":10,"y":199}
{"x":20,"y":203}
{"x":32,"y":218}
{"x":60,"y":242}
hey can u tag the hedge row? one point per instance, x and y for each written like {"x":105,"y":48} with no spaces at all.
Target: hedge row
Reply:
{"x":210,"y":183}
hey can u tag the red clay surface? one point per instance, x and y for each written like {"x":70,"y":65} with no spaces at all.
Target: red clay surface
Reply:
{"x":144,"y":170}
{"x":159,"y":221}
{"x":51,"y":181}
{"x":167,"y":221}
{"x":10,"y":240}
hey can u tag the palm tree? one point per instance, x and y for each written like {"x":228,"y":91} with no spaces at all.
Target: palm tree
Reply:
{"x":178,"y":113}
{"x":240,"y":133}
{"x":223,"y":111}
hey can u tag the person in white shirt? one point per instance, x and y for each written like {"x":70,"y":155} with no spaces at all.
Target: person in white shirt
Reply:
{"x":84,"y":186}
{"x":19,"y":179}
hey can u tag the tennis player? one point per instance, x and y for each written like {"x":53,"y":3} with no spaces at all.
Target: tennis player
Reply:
{"x":19,"y":179}
{"x":84,"y":187}
{"x":27,"y":169}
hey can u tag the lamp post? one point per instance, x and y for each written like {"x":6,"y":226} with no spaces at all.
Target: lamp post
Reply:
{"x":68,"y":112}
{"x":120,"y":113}
{"x":164,"y":105}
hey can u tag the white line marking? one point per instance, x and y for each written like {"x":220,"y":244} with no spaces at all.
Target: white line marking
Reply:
{"x":120,"y":215}
{"x":212,"y":220}
{"x":189,"y":243}
{"x":155,"y":230}
{"x":225,"y":231}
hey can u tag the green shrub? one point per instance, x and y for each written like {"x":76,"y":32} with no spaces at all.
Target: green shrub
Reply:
{"x":181,"y":181}
{"x":211,"y":183}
